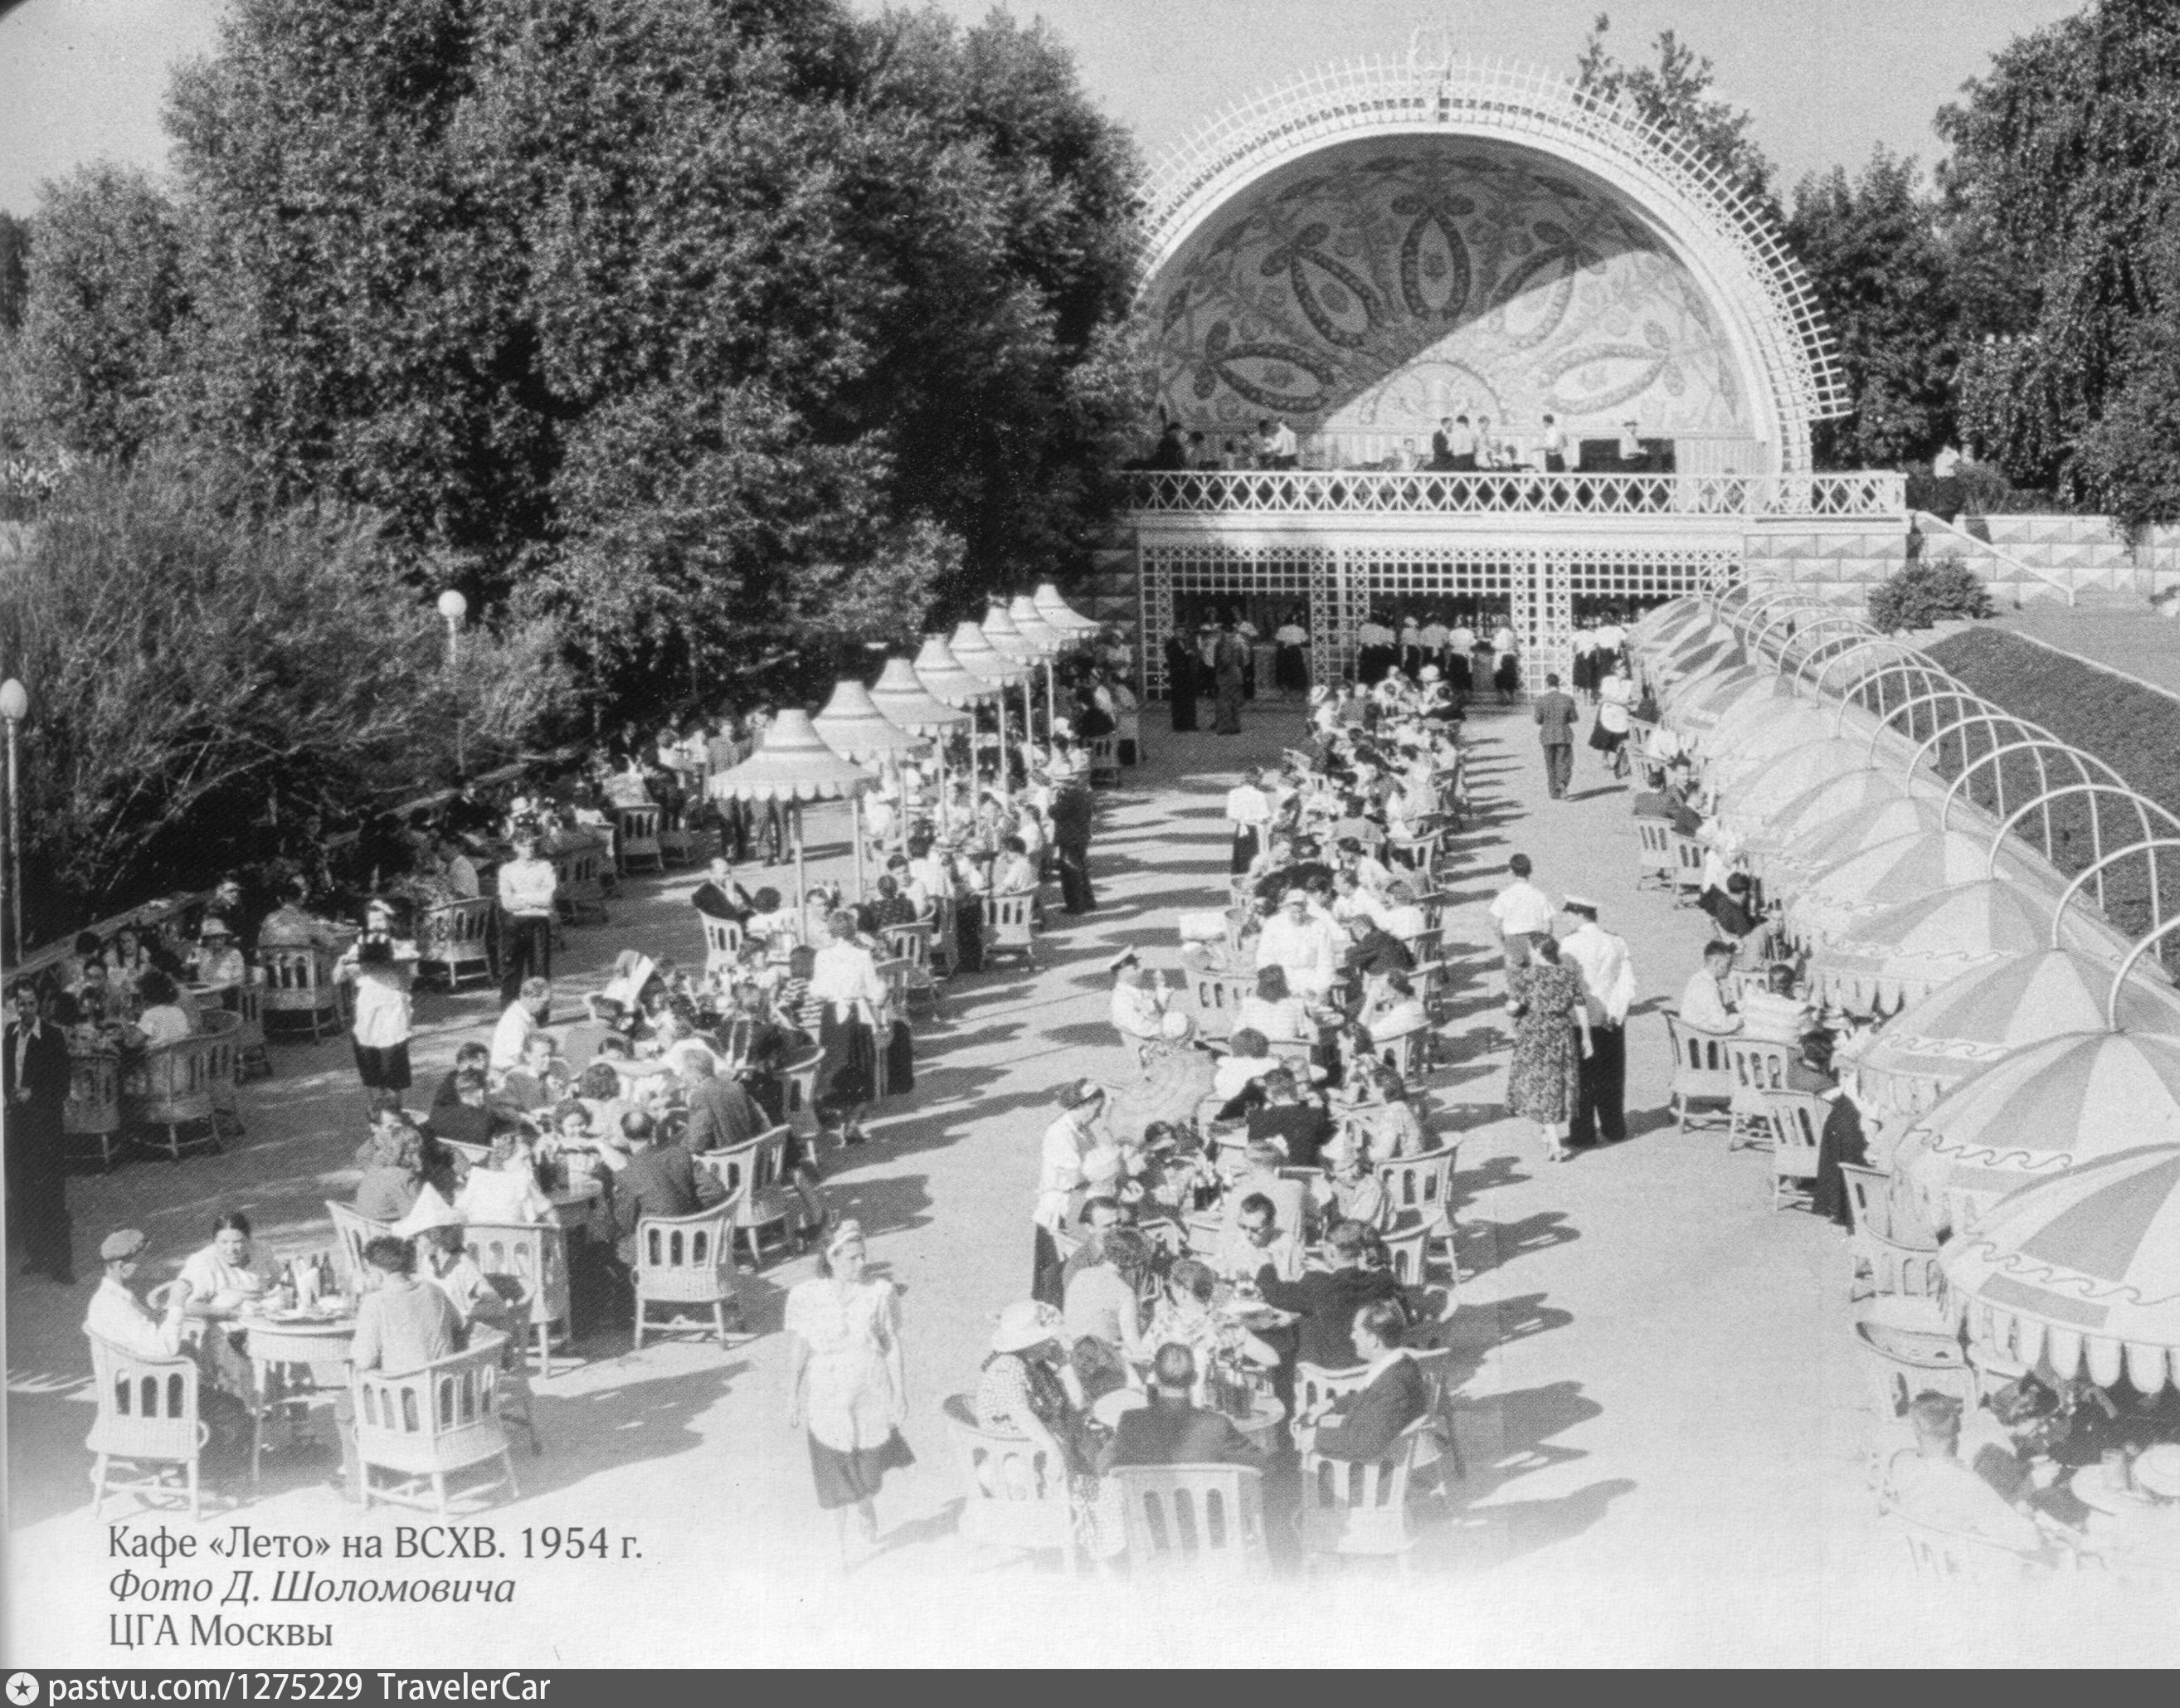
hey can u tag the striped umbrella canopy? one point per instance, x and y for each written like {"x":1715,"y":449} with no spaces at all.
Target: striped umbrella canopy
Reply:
{"x":945,"y":679}
{"x":2080,"y":1274}
{"x":1740,"y":748}
{"x":999,"y":629}
{"x":1792,"y":771}
{"x":855,"y":728}
{"x":1744,"y":715}
{"x":792,"y":763}
{"x":1817,"y":808}
{"x":2050,"y":1107}
{"x":974,"y":652}
{"x":1906,"y":868}
{"x":1030,"y":624}
{"x":1682,"y":672}
{"x":1904,"y":953}
{"x":1984,"y":1014}
{"x":901,"y":695}
{"x":1662,"y":623}
{"x":1713,"y":702}
{"x":1808,"y":857}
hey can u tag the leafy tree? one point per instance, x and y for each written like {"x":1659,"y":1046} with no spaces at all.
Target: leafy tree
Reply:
{"x":2060,"y":189}
{"x":108,"y":309}
{"x":14,"y":271}
{"x":1882,"y":271}
{"x":1676,"y":96}
{"x":209,"y":688}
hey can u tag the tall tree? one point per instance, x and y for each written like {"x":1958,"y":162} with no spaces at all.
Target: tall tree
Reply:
{"x":14,"y":271}
{"x":1884,"y":274}
{"x":1676,"y":95}
{"x":2060,"y":190}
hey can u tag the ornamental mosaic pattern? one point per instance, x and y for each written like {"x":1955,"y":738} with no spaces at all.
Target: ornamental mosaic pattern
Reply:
{"x":1376,"y":288}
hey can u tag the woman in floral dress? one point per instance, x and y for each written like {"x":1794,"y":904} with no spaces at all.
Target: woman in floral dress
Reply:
{"x":849,"y":1390}
{"x":1551,"y":1034}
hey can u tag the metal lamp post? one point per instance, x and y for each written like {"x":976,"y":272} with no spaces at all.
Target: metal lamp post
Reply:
{"x":453,"y":607}
{"x":14,"y":706}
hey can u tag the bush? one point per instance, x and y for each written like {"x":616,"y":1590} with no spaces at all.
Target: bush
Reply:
{"x":1923,"y":594}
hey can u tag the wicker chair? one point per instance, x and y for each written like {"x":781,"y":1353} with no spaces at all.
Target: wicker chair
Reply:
{"x":799,"y":1093}
{"x":1701,"y":1073}
{"x":534,"y":1256}
{"x":427,"y":1425}
{"x":1014,"y":1496}
{"x":911,"y":942}
{"x":686,"y":1261}
{"x":1687,"y":875}
{"x":1007,"y":930}
{"x":352,"y":1232}
{"x":1218,"y":998}
{"x":222,"y":1034}
{"x":249,"y":1003}
{"x":147,"y":1420}
{"x":1105,"y":761}
{"x":1759,"y":1070}
{"x":1198,"y":1522}
{"x":456,"y":937}
{"x":723,"y":944}
{"x":1654,"y":859}
{"x":580,"y":896}
{"x":1351,"y":1508}
{"x":757,"y":1194}
{"x":299,"y":983}
{"x":170,"y":1086}
{"x":92,"y":1117}
{"x":639,"y":837}
{"x":1798,"y":1125}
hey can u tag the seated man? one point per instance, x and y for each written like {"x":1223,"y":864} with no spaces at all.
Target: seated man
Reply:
{"x":1707,"y":1001}
{"x":1363,"y":1425}
{"x":1263,"y":1226}
{"x":1172,"y":1429}
{"x":660,"y":1180}
{"x":1298,"y":1125}
{"x":1139,"y":1001}
{"x":1248,"y":1058}
{"x":1327,"y":1301}
{"x":1305,"y":944}
{"x":1774,"y":1014}
{"x":1928,"y":1484}
{"x":721,"y":1113}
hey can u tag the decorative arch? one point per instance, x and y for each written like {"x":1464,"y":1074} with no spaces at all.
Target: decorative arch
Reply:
{"x":1768,"y":311}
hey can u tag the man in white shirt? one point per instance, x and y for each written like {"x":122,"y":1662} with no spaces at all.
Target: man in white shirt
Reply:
{"x":1707,"y":1004}
{"x":1139,"y":1001}
{"x":1553,"y":444}
{"x":1282,"y":449}
{"x":1062,"y":1172}
{"x":1305,"y":944}
{"x":522,"y":1016}
{"x":1774,"y":1014}
{"x":1607,"y":982}
{"x":120,"y":1318}
{"x":1249,"y":810}
{"x":1520,"y":912}
{"x":527,"y":887}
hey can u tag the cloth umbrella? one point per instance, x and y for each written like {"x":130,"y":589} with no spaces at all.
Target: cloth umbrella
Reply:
{"x":855,"y":727}
{"x":1683,"y":668}
{"x":1008,"y":641}
{"x":1819,"y":808}
{"x":1906,"y":868}
{"x":1838,"y":840}
{"x":975,"y":654}
{"x":2044,"y":1109}
{"x":1663,"y":622}
{"x":1904,"y":953}
{"x":1789,"y":773}
{"x":943,"y":677}
{"x":1698,"y":705}
{"x":1738,"y":699}
{"x":1984,"y":1014}
{"x":1742,"y":748}
{"x":1047,"y":642}
{"x":1062,"y":615}
{"x":901,"y":694}
{"x":792,"y":763}
{"x":2080,"y":1273}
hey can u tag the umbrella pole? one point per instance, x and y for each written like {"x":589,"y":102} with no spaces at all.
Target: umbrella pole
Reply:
{"x":1003,"y":742}
{"x":855,"y":805}
{"x":1051,"y":697}
{"x":801,"y":877}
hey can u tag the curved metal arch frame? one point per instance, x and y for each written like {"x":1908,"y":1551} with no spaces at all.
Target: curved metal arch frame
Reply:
{"x":1996,"y":716}
{"x":1794,"y":607}
{"x":1839,"y":658}
{"x":1955,"y":693}
{"x":1761,"y":290}
{"x":2039,"y":746}
{"x":2142,"y":808}
{"x":2125,"y":967}
{"x":1879,"y":676}
{"x":2096,"y":867}
{"x":1856,"y":635}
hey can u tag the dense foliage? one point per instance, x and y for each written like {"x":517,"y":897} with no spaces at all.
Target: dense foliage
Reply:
{"x":2060,"y":190}
{"x":210,"y":689}
{"x":1942,"y":591}
{"x":1676,"y":96}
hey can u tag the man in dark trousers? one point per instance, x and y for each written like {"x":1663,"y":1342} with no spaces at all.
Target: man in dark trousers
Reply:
{"x":660,"y":1180}
{"x":1072,"y":813}
{"x":719,"y":897}
{"x":1363,"y":1425}
{"x":1556,"y":716}
{"x":36,"y":1065}
{"x":1172,"y":1429}
{"x":1324,"y":1302}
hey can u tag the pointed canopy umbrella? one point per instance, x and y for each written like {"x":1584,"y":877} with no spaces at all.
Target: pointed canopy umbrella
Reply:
{"x":1683,"y":668}
{"x":792,"y":764}
{"x":2050,"y":1107}
{"x":1662,"y":622}
{"x":2080,"y":1274}
{"x":901,"y":695}
{"x":999,"y":628}
{"x":1735,"y":697}
{"x":1062,"y":615}
{"x":944,"y":679}
{"x":1750,"y":806}
{"x":977,"y":655}
{"x":1906,"y":868}
{"x":1047,"y":643}
{"x":1985,"y":1013}
{"x":855,"y":729}
{"x":1698,"y":705}
{"x":1904,"y":953}
{"x":1816,"y":808}
{"x":1739,"y":748}
{"x":1838,"y":840}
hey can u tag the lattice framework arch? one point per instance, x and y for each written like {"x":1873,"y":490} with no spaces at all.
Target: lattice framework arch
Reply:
{"x":1732,"y":242}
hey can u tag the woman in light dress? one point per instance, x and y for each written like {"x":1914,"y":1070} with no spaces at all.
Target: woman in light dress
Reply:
{"x":845,"y":1374}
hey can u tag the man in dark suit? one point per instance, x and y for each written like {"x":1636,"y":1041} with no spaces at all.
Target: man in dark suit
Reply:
{"x":37,"y":1086}
{"x":719,"y":897}
{"x":1073,"y":813}
{"x":1172,"y":1429}
{"x":1326,"y":1301}
{"x":660,"y":1180}
{"x":721,"y":1114}
{"x":1362,"y":1426}
{"x":1300,"y":1125}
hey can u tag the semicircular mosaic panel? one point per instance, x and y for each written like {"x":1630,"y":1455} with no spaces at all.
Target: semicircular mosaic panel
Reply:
{"x":1378,"y":287}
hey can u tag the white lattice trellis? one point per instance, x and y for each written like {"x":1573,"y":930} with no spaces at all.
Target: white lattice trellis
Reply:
{"x":1307,"y":574}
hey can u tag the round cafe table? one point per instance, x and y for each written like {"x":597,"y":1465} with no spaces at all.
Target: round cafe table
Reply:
{"x":1267,"y":1415}
{"x":579,"y":1206}
{"x":280,"y":1342}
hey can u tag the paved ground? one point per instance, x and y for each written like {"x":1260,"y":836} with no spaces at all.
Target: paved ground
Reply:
{"x":1664,"y":1422}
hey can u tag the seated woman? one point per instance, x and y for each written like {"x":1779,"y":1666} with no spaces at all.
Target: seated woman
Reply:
{"x":1273,"y":1011}
{"x":1104,"y":1315}
{"x":392,"y":1160}
{"x":540,"y":1081}
{"x":227,"y":1274}
{"x":163,"y":1021}
{"x":1378,"y":1118}
{"x":505,"y":1189}
{"x":1028,"y":1391}
{"x":1248,"y":1058}
{"x":1392,"y":1010}
{"x":1014,"y":874}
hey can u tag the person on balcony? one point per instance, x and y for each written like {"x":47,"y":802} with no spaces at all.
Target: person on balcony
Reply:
{"x":1552,"y":444}
{"x":1277,"y":447}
